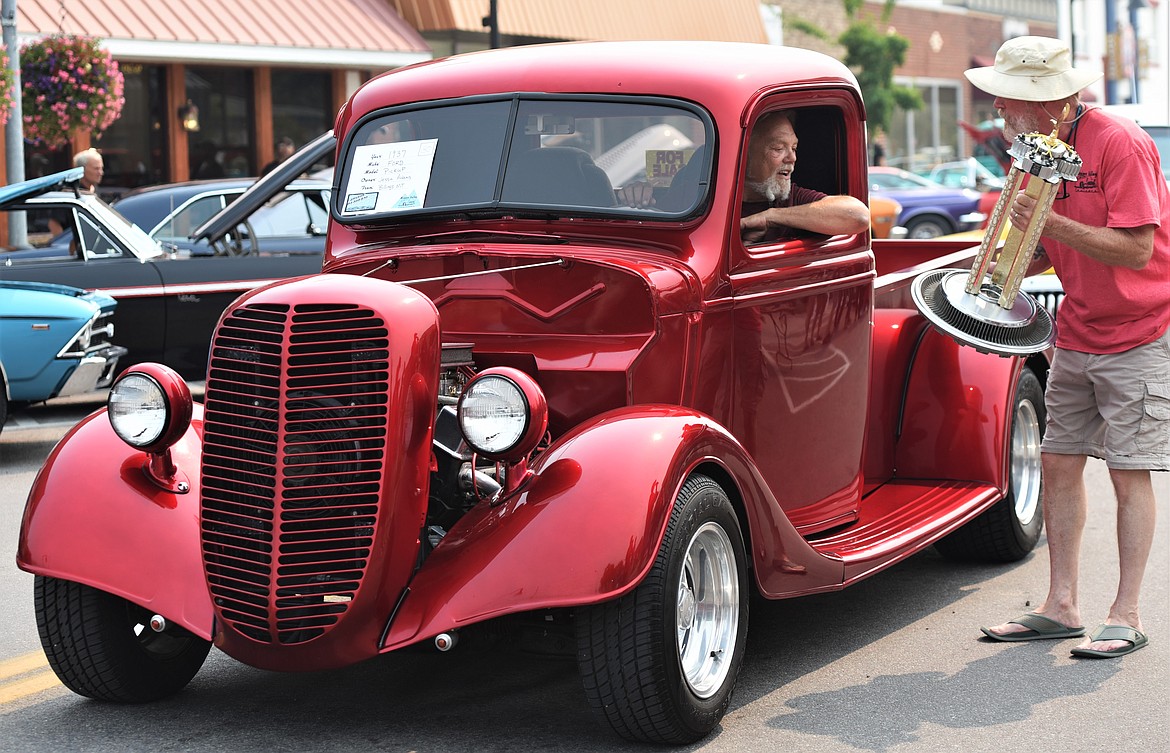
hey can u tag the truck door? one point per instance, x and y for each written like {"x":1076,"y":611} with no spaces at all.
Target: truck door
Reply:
{"x":802,"y":306}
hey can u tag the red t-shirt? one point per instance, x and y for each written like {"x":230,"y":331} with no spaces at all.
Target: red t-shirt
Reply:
{"x":1110,"y":309}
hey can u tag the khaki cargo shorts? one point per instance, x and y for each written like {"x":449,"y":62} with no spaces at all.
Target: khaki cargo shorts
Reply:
{"x":1115,"y":407}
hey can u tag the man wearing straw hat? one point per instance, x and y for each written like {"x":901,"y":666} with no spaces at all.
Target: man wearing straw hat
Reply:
{"x":1108,"y":392}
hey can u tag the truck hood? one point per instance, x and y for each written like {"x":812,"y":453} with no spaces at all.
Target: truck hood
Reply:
{"x":477,"y":256}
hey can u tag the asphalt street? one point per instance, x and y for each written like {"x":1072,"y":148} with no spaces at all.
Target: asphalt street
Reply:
{"x":894,"y":664}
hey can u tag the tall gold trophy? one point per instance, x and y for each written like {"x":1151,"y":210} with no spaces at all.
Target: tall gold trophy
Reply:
{"x":987,"y":311}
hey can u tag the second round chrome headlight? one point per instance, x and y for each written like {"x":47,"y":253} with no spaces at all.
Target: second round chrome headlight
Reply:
{"x":502,"y":414}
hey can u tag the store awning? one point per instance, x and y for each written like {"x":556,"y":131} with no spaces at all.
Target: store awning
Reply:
{"x":609,"y":20}
{"x":363,"y":34}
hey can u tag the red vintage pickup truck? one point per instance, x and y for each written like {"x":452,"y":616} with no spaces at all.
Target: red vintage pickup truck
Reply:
{"x":507,"y":394}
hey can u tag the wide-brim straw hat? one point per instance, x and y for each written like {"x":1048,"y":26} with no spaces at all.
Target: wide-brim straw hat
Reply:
{"x":1032,"y":69}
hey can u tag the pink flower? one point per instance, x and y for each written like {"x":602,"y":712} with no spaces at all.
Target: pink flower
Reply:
{"x":70,"y":84}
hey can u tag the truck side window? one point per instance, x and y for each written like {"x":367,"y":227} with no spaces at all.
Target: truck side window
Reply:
{"x":793,"y":159}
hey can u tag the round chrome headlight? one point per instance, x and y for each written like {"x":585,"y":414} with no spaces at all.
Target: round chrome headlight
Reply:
{"x":502,"y":414}
{"x":149,"y":407}
{"x":138,"y":409}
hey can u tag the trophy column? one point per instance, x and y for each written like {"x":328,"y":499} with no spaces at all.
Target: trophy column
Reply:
{"x":984,"y":308}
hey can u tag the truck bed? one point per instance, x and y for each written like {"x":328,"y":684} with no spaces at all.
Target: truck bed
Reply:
{"x":900,"y":261}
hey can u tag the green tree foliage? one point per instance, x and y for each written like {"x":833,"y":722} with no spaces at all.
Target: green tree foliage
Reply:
{"x":873,"y":56}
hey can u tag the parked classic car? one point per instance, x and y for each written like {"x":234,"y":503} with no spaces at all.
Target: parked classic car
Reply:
{"x":507,"y":397}
{"x":883,"y":217}
{"x":55,"y":341}
{"x":169,"y":299}
{"x":928,"y":208}
{"x":968,"y":173}
{"x":1161,"y":136}
{"x":291,"y":222}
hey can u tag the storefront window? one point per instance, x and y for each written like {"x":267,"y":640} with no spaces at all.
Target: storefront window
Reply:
{"x":39,"y":160}
{"x":134,"y":148}
{"x":920,"y":139}
{"x":223,"y":145}
{"x":302,"y":105}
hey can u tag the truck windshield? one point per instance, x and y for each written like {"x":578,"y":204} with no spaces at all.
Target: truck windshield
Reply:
{"x":539,"y":156}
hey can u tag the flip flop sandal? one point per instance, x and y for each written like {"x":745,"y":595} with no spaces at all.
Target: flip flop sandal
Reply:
{"x":1135,"y":638}
{"x":1039,"y":628}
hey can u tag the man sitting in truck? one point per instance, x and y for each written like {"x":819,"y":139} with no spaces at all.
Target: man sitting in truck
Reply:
{"x":774,"y":208}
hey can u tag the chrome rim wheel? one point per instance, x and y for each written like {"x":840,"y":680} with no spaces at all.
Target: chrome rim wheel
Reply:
{"x":708,"y":610}
{"x":1026,"y":462}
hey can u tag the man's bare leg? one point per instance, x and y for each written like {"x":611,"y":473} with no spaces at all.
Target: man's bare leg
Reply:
{"x":1065,"y":506}
{"x":1136,"y":513}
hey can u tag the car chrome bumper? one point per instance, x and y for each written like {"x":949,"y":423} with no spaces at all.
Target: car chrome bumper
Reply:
{"x":972,"y":220}
{"x":95,"y":371}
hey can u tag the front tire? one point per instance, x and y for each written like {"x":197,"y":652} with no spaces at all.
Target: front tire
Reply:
{"x":1009,"y":529}
{"x":100,"y":645}
{"x":659,"y":664}
{"x":925,"y":228}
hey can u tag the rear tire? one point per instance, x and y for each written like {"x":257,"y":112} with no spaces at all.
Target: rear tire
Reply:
{"x":1009,"y":529}
{"x":660,"y":663}
{"x":101,"y":646}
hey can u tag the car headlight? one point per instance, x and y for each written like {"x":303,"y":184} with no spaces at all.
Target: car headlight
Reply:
{"x":503,"y":414}
{"x":149,"y":407}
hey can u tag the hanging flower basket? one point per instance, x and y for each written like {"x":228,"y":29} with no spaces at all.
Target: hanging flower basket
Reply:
{"x":6,"y":84}
{"x":70,"y":84}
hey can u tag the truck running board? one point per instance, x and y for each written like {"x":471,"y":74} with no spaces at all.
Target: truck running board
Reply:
{"x":899,"y":519}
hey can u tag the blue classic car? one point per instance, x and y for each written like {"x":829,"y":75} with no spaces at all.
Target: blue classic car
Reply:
{"x":929,"y":209}
{"x":54,"y":341}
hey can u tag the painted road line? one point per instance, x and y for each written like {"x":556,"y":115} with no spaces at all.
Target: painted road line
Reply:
{"x":21,"y":664}
{"x":25,"y":676}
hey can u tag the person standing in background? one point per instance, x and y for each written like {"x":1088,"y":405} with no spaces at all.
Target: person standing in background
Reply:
{"x":284,"y":149}
{"x":877,"y":150}
{"x":95,"y":169}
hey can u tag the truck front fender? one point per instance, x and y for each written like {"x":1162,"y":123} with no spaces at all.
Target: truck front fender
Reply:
{"x":93,"y":516}
{"x":588,"y":524}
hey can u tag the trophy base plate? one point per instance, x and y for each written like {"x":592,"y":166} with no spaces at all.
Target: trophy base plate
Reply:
{"x":977,"y":320}
{"x":984,"y":305}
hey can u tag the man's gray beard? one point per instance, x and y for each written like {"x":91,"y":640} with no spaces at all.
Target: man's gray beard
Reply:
{"x":773,"y":188}
{"x":1017,"y":126}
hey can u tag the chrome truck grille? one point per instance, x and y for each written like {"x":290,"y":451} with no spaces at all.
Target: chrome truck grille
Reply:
{"x":294,"y":443}
{"x":1049,"y":300}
